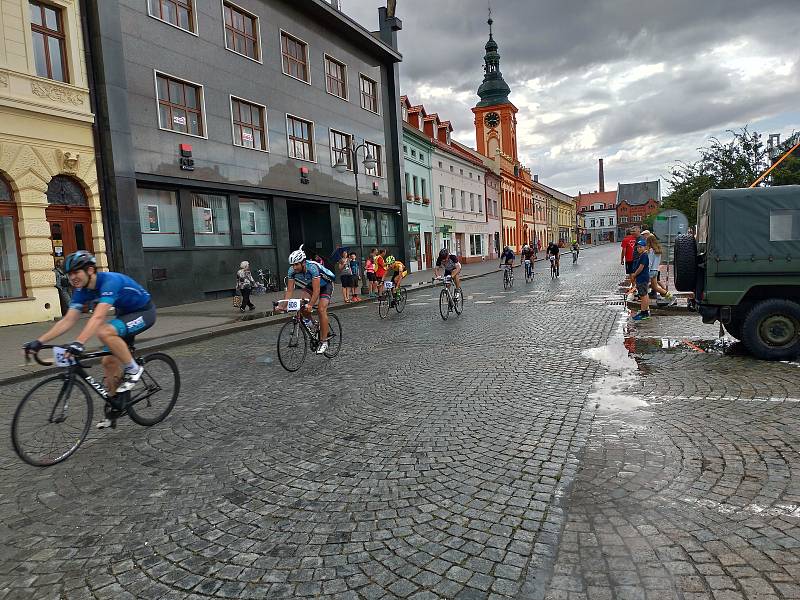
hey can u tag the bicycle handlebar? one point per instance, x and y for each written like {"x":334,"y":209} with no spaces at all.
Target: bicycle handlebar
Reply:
{"x":303,"y":302}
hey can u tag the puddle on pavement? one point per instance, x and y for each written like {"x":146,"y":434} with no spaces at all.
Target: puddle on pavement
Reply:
{"x":651,"y":345}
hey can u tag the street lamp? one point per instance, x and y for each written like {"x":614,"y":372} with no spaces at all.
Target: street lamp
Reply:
{"x":342,"y":166}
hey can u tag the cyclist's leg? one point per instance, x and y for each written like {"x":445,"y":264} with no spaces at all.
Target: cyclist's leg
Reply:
{"x":116,"y":335}
{"x":456,"y":274}
{"x":322,"y":309}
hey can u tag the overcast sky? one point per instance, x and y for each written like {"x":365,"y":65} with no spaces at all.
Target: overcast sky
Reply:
{"x":640,"y":83}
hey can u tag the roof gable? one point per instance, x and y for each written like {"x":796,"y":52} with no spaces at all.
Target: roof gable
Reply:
{"x":639,"y":194}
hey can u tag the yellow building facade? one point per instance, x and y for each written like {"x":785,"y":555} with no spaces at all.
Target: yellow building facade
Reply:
{"x":49,"y":200}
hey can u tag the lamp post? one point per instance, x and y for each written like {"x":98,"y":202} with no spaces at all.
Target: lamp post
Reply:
{"x":342,"y":166}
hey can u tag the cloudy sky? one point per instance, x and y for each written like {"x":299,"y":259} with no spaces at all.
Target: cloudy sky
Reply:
{"x":640,"y":83}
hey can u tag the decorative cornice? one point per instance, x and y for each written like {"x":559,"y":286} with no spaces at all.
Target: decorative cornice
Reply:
{"x":56,"y":93}
{"x":3,"y":79}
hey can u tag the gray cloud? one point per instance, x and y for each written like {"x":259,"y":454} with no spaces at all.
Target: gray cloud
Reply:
{"x":583,"y":60}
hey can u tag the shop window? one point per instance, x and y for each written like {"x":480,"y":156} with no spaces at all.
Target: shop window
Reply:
{"x":369,"y":230}
{"x":388,"y":230}
{"x":476,"y":244}
{"x":49,"y":52}
{"x":347,"y":226}
{"x":159,"y":219}
{"x":10,"y":270}
{"x":211,"y":220}
{"x":256,"y":223}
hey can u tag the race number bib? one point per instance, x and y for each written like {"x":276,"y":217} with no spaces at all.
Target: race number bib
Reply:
{"x":293,"y":305}
{"x":387,"y":285}
{"x":60,"y":357}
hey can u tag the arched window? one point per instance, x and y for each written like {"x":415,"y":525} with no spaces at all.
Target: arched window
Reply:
{"x":10,"y":267}
{"x":65,"y":191}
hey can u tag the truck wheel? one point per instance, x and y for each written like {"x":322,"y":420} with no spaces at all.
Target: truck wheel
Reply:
{"x":771,"y":330}
{"x":734,"y":329}
{"x":685,"y":263}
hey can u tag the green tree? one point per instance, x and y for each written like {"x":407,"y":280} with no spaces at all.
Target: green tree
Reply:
{"x":788,"y":173}
{"x":723,"y":165}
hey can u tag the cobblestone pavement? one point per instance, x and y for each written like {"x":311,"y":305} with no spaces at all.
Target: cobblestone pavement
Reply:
{"x":482,"y":457}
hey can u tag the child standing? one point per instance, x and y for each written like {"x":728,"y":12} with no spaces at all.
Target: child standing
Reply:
{"x":370,"y":267}
{"x":355,"y":273}
{"x":641,"y":275}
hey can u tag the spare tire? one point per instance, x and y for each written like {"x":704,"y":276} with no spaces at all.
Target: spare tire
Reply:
{"x":685,"y":263}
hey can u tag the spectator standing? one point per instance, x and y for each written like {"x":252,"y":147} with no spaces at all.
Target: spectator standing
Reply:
{"x":245,"y":284}
{"x":380,"y":267}
{"x":355,"y":273}
{"x":654,"y":252}
{"x":62,"y":285}
{"x":627,"y":257}
{"x":370,"y":268}
{"x":345,"y":276}
{"x":641,"y":276}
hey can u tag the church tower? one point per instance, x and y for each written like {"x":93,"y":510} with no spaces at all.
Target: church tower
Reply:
{"x":495,"y":115}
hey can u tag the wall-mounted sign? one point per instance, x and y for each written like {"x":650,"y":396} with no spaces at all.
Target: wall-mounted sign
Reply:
{"x":179,"y":120}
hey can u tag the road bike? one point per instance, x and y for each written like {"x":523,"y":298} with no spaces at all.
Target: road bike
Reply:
{"x":508,"y":276}
{"x":388,"y":299}
{"x":265,"y":282}
{"x":553,"y":267}
{"x":528,"y":270}
{"x":301,"y":333}
{"x":574,"y":256}
{"x":450,"y":300}
{"x":56,"y":414}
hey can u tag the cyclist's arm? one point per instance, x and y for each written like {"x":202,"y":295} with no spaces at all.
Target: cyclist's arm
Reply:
{"x":98,"y":319}
{"x":64,"y":325}
{"x":315,"y":285}
{"x":289,"y":288}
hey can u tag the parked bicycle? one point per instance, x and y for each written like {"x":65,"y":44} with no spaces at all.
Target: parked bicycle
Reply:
{"x":388,"y":300}
{"x":53,"y":419}
{"x":508,"y":276}
{"x":301,"y":333}
{"x":451,"y":298}
{"x":553,"y":267}
{"x":528,"y":270}
{"x":265,"y":282}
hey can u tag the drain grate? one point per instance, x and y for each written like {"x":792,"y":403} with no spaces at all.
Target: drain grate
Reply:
{"x":615,"y":303}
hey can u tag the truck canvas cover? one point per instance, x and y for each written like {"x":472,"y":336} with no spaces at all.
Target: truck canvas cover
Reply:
{"x":751,"y":230}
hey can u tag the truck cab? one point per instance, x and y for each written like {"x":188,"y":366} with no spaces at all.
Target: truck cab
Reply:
{"x":744,"y":266}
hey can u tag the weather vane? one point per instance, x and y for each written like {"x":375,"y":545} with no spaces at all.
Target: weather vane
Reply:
{"x":489,"y":4}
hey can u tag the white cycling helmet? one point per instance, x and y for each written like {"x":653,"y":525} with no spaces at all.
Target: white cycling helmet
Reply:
{"x":297,"y":256}
{"x":525,"y":247}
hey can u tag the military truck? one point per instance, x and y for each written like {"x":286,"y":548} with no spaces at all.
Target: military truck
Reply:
{"x":744,"y":266}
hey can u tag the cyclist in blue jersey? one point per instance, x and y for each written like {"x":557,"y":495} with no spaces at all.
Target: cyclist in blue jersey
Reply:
{"x":507,"y":258}
{"x":316,"y":282}
{"x":134,"y":313}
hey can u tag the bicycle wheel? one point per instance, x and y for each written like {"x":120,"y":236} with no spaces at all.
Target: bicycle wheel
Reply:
{"x":334,"y":336}
{"x":157,"y":392}
{"x":292,"y":345}
{"x":51,"y":421}
{"x":400,"y":303}
{"x":383,"y":306}
{"x":444,"y":305}
{"x":458,"y":302}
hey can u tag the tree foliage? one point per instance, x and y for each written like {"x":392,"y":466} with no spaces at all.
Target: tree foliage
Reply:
{"x":736,"y":163}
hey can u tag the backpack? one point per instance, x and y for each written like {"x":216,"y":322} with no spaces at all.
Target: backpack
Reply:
{"x":325,"y":273}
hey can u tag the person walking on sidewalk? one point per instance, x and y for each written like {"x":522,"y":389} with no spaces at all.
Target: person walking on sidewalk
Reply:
{"x":245,"y":284}
{"x":355,"y":273}
{"x":641,"y":275}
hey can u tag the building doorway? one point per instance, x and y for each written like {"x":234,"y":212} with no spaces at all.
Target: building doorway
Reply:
{"x":310,"y":225}
{"x":69,"y":217}
{"x":428,"y":250}
{"x":460,"y":245}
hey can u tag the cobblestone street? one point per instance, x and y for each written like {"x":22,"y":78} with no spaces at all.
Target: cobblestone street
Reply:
{"x":504,"y":453}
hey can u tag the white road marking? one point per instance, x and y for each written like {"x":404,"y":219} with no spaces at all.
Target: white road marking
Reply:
{"x":484,"y":302}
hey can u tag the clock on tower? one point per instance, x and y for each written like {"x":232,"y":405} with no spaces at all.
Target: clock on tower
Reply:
{"x":492,"y":119}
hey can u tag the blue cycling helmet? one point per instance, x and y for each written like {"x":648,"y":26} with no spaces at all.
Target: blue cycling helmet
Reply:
{"x":79,"y":260}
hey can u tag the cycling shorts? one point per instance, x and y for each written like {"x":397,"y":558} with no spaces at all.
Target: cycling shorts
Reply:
{"x":130,"y":324}
{"x":396,"y":274}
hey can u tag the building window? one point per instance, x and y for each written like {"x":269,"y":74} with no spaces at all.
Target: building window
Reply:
{"x":249,"y":130}
{"x":423,"y":188}
{"x":479,"y":177}
{"x":591,"y":223}
{"x":256,"y":223}
{"x":179,"y":105}
{"x":452,"y":198}
{"x":340,"y":143}
{"x":480,"y":203}
{"x":462,"y":172}
{"x":174,"y":12}
{"x":10,"y":271}
{"x":494,"y":202}
{"x":470,"y":175}
{"x":295,"y":57}
{"x":440,"y":164}
{"x":413,"y":153}
{"x":159,"y":218}
{"x":408,"y":184}
{"x":301,"y":138}
{"x":610,"y":221}
{"x":405,"y":149}
{"x":451,"y":168}
{"x":335,"y":77}
{"x":388,"y":230}
{"x":602,"y":222}
{"x":241,"y":31}
{"x":369,"y":231}
{"x":347,"y":226}
{"x":471,"y":202}
{"x":211,"y":220}
{"x":49,"y":44}
{"x":476,"y":244}
{"x":441,"y":196}
{"x":377,"y":153}
{"x":369,"y":94}
{"x":463,"y":200}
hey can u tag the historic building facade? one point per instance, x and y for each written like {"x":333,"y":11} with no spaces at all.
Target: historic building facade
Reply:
{"x":224,"y":137}
{"x":496,"y":138}
{"x":417,"y":151}
{"x":635,"y":202}
{"x":600,"y":214}
{"x":49,"y":200}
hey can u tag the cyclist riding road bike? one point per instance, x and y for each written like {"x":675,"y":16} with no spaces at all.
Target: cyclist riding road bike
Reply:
{"x":554,"y":250}
{"x":507,"y":258}
{"x":527,"y":254}
{"x":451,"y":266}
{"x":396,"y":272}
{"x":134,"y":310}
{"x":316,"y":283}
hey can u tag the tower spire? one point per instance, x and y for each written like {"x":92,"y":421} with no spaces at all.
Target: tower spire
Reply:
{"x":494,"y":89}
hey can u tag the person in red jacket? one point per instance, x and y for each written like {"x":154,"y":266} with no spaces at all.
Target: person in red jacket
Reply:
{"x":380,"y":264}
{"x":627,"y":255}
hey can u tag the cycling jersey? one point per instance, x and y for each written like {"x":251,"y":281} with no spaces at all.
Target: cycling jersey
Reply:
{"x":507,"y":256}
{"x":449,"y":262}
{"x":527,"y":254}
{"x":553,"y":250}
{"x":116,"y":289}
{"x":397,"y":267}
{"x":312,"y":271}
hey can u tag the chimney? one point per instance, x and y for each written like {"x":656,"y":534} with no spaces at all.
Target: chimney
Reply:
{"x":536,"y":178}
{"x":602,"y":177}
